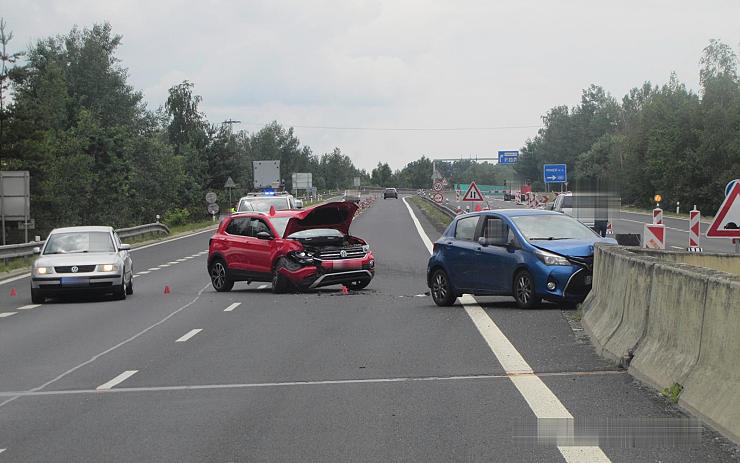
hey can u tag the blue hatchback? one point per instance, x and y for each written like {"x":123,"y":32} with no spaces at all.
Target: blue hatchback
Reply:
{"x":529,"y":254}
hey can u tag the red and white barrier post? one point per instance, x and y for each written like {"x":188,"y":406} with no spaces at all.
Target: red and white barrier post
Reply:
{"x":658,"y":216}
{"x":653,"y":236}
{"x":694,"y":231}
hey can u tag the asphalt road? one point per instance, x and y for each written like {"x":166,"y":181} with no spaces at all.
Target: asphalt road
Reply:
{"x":377,"y":375}
{"x":677,"y":230}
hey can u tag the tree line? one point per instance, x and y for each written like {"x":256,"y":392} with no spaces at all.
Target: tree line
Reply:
{"x":663,"y":140}
{"x":97,"y":155}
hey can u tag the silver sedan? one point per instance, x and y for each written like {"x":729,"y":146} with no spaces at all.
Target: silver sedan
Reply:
{"x":76,"y":259}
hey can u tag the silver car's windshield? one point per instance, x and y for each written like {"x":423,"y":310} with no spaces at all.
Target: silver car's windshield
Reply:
{"x":76,"y":242}
{"x":552,"y":227}
{"x":263,"y":204}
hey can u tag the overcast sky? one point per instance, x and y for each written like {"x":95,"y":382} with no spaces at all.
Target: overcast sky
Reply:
{"x":394,"y":64}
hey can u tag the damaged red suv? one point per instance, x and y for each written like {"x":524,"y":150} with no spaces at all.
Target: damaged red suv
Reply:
{"x":292,"y":249}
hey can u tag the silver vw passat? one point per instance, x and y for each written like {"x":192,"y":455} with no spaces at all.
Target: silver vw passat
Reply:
{"x":82,"y":259}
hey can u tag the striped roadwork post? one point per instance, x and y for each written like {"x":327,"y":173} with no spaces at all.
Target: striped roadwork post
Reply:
{"x":653,"y":236}
{"x":658,"y":216}
{"x":694,"y":230}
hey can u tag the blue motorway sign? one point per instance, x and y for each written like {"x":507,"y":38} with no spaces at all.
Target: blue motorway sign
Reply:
{"x":555,"y":173}
{"x":508,"y":157}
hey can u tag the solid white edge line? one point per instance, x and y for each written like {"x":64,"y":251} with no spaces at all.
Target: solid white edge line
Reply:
{"x":7,"y":314}
{"x":541,"y":400}
{"x":29,"y":307}
{"x":189,"y":335}
{"x":117,"y":380}
{"x":232,"y":306}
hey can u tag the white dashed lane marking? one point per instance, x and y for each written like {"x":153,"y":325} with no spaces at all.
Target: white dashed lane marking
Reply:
{"x":144,"y":272}
{"x":232,"y":306}
{"x":29,"y":307}
{"x":164,"y":265}
{"x":263,"y":286}
{"x":189,"y":335}
{"x":174,"y":262}
{"x":117,"y":380}
{"x":153,"y":269}
{"x":7,"y":314}
{"x":183,"y":259}
{"x":136,"y":276}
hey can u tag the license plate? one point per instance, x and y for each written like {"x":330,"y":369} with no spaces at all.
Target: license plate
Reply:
{"x":75,"y":281}
{"x":587,"y":280}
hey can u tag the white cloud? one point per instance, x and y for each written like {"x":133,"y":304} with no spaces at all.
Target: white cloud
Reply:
{"x":394,"y":63}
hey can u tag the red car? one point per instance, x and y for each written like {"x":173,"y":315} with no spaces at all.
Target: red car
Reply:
{"x":292,"y":249}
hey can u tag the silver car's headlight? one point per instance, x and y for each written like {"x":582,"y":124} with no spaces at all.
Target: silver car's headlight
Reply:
{"x":108,"y":268}
{"x":549,"y":258}
{"x":43,"y":270}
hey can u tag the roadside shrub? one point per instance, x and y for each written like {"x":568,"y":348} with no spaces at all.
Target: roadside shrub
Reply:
{"x":176,"y":217}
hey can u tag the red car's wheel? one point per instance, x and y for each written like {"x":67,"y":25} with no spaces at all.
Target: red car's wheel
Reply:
{"x":220,"y":276}
{"x":280,"y":284}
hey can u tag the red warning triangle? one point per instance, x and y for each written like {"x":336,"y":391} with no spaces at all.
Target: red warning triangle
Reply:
{"x":726,"y":222}
{"x":473,"y":194}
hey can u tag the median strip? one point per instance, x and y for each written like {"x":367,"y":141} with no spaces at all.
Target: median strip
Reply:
{"x":117,"y":380}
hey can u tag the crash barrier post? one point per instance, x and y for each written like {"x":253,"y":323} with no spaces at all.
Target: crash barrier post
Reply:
{"x":694,"y":230}
{"x":672,"y":323}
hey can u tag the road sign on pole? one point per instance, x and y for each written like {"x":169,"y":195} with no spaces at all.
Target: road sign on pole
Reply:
{"x":726,"y":222}
{"x":729,"y":186}
{"x":211,"y":197}
{"x":555,"y":173}
{"x":508,"y":157}
{"x":438,"y":186}
{"x":438,"y":198}
{"x":473,"y":194}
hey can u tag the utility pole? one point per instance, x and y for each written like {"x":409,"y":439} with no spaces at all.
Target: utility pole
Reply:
{"x":231,"y":122}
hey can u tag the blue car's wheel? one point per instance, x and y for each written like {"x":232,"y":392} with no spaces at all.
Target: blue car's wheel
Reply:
{"x":442,"y":292}
{"x":524,"y":291}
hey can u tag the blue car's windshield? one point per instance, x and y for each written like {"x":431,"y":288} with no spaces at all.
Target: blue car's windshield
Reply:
{"x":552,"y":227}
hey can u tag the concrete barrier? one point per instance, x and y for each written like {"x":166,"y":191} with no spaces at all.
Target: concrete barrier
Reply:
{"x":680,"y":322}
{"x":712,"y":389}
{"x":728,"y":263}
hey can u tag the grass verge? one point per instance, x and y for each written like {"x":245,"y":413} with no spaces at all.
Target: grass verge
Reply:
{"x":438,"y":218}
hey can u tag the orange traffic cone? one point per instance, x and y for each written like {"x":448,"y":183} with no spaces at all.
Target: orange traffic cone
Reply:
{"x":13,"y":293}
{"x":345,"y":290}
{"x":167,"y":290}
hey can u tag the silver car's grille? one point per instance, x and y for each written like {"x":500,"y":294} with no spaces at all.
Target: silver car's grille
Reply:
{"x":80,"y":268}
{"x":350,"y":252}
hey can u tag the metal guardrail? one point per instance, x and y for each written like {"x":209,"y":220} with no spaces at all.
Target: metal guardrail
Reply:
{"x":12,"y":251}
{"x":444,"y":209}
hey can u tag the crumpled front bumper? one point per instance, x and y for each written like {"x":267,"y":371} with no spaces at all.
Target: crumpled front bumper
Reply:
{"x":331,"y":272}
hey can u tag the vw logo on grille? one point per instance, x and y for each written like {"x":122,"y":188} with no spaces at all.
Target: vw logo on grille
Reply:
{"x":343,"y":253}
{"x":75,"y":269}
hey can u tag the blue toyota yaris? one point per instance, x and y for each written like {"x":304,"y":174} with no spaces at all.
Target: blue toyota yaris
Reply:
{"x":525,"y":253}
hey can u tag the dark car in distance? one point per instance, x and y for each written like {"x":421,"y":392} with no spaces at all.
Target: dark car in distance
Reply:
{"x":390,"y":193}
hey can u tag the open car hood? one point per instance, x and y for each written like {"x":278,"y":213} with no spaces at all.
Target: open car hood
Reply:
{"x":336,"y":215}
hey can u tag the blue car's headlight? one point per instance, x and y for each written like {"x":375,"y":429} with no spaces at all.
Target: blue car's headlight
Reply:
{"x":549,"y":258}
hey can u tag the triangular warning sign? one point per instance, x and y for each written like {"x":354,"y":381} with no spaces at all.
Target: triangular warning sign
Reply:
{"x":726,"y":222}
{"x":473,"y":194}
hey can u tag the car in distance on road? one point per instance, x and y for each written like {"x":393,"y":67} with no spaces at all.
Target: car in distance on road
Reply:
{"x":352,"y":196}
{"x":82,"y":259}
{"x":292,"y":249}
{"x":390,"y":193}
{"x":592,"y":209}
{"x":526,"y":253}
{"x":262,"y":202}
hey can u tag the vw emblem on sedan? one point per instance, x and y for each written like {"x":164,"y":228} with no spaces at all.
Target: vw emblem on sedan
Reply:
{"x":75,"y":269}
{"x":343,"y":253}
